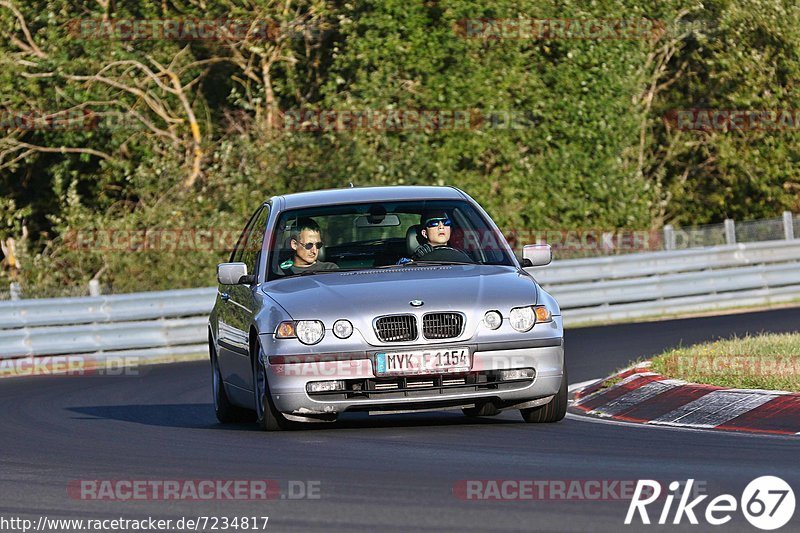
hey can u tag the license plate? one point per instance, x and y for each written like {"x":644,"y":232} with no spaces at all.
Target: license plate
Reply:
{"x":441,"y":361}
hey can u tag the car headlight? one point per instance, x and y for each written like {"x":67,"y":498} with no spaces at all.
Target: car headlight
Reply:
{"x":342,"y":328}
{"x":492,"y":319}
{"x":522,"y":318}
{"x":309,"y":331}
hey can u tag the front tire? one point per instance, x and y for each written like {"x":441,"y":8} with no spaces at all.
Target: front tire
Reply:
{"x":226,"y":412}
{"x":552,"y":411}
{"x":267,"y":416}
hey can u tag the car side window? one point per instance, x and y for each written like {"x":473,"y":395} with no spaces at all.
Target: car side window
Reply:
{"x":238,"y":250}
{"x":251,"y":251}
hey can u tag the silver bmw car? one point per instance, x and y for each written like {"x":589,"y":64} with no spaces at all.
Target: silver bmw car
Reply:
{"x":382,"y":299}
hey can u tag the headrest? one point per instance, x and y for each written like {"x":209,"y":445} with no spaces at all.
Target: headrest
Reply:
{"x":413,"y":239}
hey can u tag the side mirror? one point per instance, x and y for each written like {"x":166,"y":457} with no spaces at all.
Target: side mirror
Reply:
{"x":233,"y":274}
{"x":536,"y":255}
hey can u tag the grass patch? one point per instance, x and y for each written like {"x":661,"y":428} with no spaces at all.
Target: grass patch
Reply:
{"x":610,"y":382}
{"x":753,"y":362}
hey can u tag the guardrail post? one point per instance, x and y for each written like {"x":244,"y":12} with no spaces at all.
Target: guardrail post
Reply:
{"x":669,"y":237}
{"x":94,"y":287}
{"x":15,"y":290}
{"x":788,"y":225}
{"x":730,"y":231}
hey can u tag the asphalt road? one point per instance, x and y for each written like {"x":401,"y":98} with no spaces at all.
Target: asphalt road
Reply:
{"x":390,"y":473}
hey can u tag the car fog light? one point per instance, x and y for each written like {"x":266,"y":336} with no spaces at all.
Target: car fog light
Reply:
{"x":325,"y":386}
{"x":309,"y":331}
{"x":516,"y":373}
{"x":522,"y":318}
{"x":492,"y":319}
{"x":342,"y":328}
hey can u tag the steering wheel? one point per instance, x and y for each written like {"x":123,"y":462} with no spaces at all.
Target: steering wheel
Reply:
{"x":446,"y":253}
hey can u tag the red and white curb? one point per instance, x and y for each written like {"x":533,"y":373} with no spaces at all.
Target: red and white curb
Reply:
{"x":639,"y":395}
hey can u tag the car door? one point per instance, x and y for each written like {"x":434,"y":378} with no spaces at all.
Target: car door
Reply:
{"x":236,"y":305}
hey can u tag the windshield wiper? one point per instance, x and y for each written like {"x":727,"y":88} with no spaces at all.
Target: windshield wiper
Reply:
{"x":311,"y":272}
{"x":438,"y":263}
{"x":382,"y":267}
{"x":423,"y":262}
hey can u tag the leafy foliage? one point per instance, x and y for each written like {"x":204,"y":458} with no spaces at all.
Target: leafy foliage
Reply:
{"x":189,"y":133}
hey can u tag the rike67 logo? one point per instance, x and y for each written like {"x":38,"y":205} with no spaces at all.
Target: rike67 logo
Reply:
{"x":767,"y":503}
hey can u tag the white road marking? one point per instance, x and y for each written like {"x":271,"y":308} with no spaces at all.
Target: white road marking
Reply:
{"x":622,"y":383}
{"x":713,"y":409}
{"x":626,"y":401}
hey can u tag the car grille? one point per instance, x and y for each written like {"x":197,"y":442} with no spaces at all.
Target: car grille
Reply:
{"x":403,"y":387}
{"x":396,"y":328}
{"x":442,"y":325}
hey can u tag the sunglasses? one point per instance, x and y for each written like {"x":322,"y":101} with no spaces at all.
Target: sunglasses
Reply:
{"x":433,"y":222}
{"x":310,"y":245}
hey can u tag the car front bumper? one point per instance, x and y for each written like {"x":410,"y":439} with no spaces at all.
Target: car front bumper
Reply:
{"x":288,"y":381}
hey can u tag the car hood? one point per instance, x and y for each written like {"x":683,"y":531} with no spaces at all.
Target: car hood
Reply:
{"x":365,"y":294}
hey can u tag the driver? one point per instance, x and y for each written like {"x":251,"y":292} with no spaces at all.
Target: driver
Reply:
{"x":435,"y":230}
{"x":306,"y":243}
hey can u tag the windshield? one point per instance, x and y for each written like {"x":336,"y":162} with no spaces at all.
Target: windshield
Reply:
{"x":383,"y":235}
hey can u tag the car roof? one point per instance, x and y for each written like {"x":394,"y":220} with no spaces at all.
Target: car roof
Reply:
{"x":370,"y":194}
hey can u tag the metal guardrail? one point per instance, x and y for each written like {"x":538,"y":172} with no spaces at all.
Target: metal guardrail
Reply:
{"x":141,"y":321}
{"x":118,"y":308}
{"x":667,"y":262}
{"x":589,"y":290}
{"x":89,"y":338}
{"x":663,"y":283}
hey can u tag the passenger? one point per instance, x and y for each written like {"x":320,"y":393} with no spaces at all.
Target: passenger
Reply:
{"x":306,"y":241}
{"x":435,"y":229}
